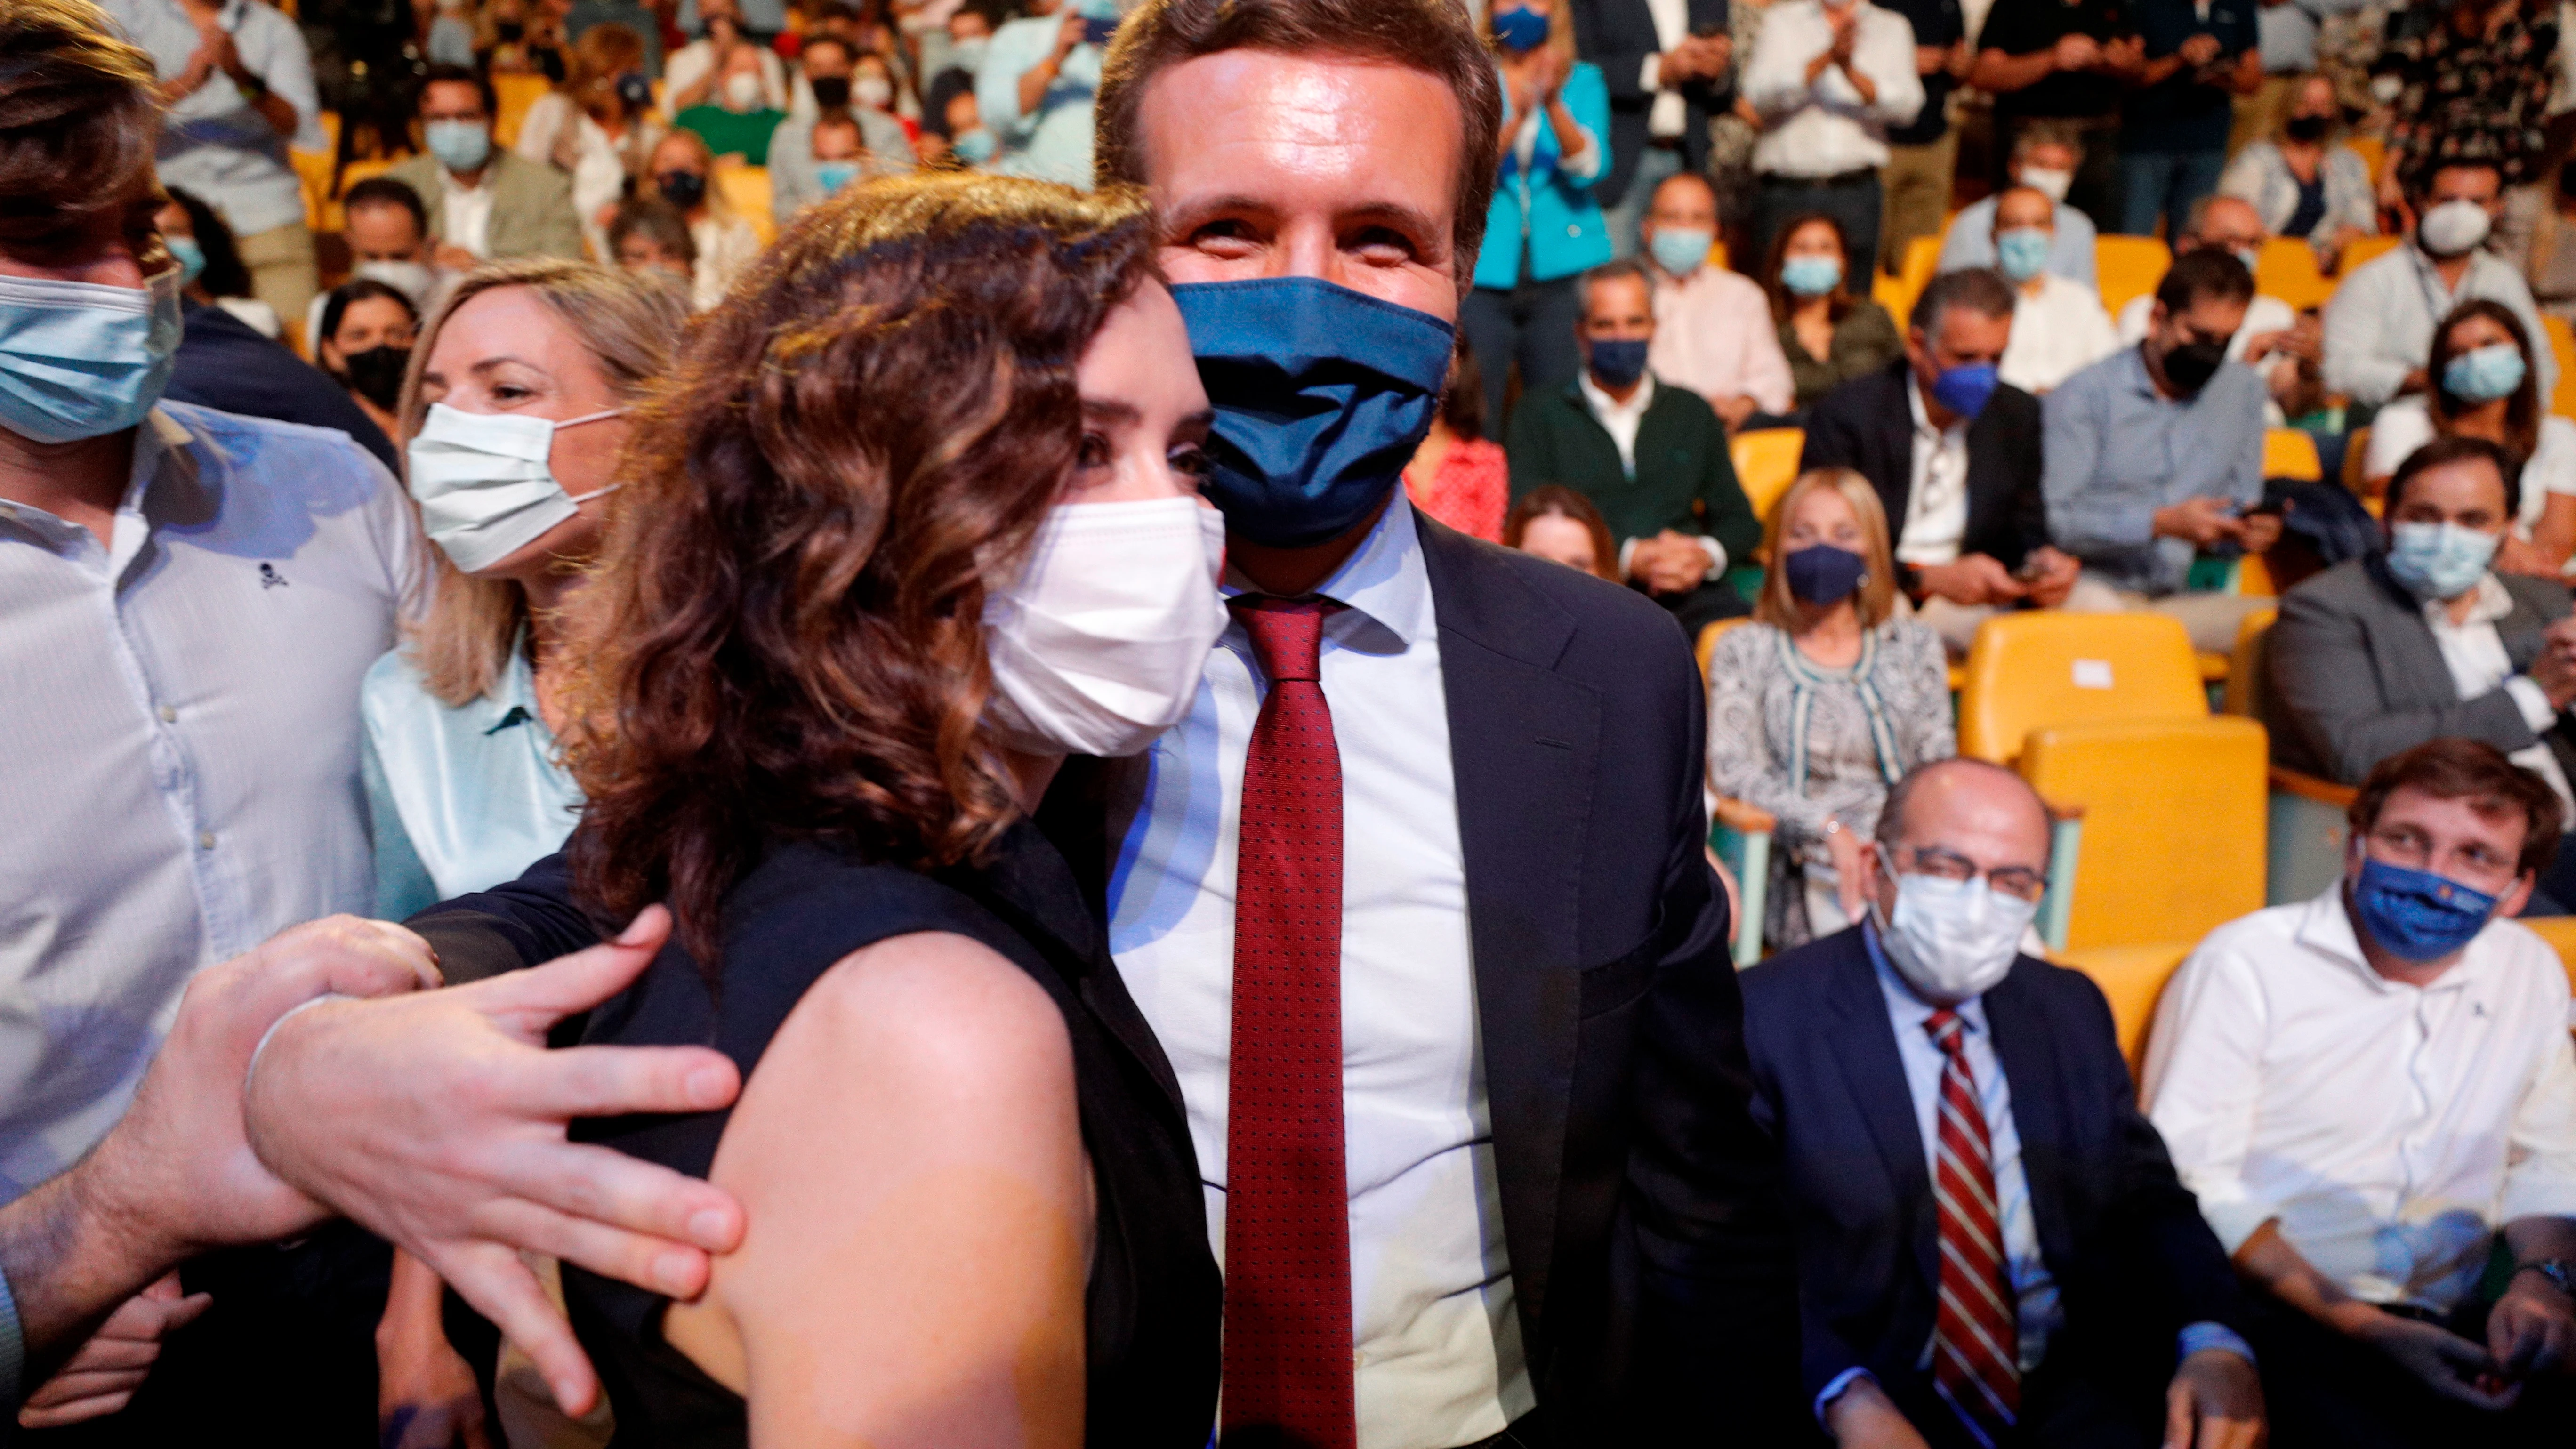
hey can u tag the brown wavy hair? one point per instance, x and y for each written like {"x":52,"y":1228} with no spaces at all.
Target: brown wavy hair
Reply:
{"x":786,"y":638}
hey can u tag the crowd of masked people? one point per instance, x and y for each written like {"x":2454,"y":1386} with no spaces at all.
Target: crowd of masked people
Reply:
{"x":1066,"y":806}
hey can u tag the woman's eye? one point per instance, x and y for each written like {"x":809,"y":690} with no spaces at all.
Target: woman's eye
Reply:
{"x":1193,"y":462}
{"x":1093,"y":452}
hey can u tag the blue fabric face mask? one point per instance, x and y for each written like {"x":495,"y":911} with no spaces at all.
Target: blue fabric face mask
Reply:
{"x":2483,"y":374}
{"x":1618,"y":361}
{"x":1321,"y":396}
{"x":1811,"y":276}
{"x":78,"y":360}
{"x":458,"y":145}
{"x":2022,"y":253}
{"x":833,"y":175}
{"x":1520,"y":30}
{"x":1681,"y":250}
{"x":1967,"y":389}
{"x":1823,"y":574}
{"x":975,"y":147}
{"x":191,"y":257}
{"x":2439,"y":560}
{"x":2416,"y":915}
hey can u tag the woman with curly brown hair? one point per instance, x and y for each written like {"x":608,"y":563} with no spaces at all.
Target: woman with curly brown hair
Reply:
{"x":914,"y":516}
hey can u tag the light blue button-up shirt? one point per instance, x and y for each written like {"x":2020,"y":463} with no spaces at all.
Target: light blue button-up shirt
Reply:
{"x":1052,"y":143}
{"x":213,"y":143}
{"x":2115,"y":450}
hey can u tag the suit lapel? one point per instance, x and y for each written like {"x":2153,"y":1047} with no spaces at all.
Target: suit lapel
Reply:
{"x":1524,"y":743}
{"x":1866,"y":1050}
{"x":2028,"y":1051}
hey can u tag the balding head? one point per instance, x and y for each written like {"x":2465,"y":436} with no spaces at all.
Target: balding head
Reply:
{"x":2230,"y":224}
{"x":1979,"y":813}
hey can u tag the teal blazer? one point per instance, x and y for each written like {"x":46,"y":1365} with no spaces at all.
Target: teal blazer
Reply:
{"x":1552,"y":204}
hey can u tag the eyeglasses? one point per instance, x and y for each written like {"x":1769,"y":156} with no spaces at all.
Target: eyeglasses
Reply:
{"x":2018,"y":881}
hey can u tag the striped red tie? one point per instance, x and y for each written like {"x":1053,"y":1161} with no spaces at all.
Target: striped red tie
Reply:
{"x":1976,"y":1359}
{"x":1287,"y":1197}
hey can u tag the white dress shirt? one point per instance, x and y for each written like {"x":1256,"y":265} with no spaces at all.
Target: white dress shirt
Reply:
{"x":1669,"y":113}
{"x":2474,"y":653}
{"x":2057,"y":332}
{"x":2379,"y":322}
{"x":465,"y":215}
{"x":1437,"y":1351}
{"x":2388,"y":1128}
{"x":1936,"y":506}
{"x":2404,"y":425}
{"x":182,"y":725}
{"x":1824,"y":128}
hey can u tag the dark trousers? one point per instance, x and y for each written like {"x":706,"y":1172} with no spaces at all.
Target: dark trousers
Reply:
{"x":2324,"y":1391}
{"x":1852,"y":199}
{"x":2164,"y":186}
{"x":1530,"y":325}
{"x":2062,"y":1407}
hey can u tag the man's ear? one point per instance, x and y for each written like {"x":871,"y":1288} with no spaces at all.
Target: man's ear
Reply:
{"x":1872,"y":867}
{"x":2520,"y":894}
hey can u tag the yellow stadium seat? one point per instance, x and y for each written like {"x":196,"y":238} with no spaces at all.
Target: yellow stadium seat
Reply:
{"x":2129,"y":267}
{"x":313,"y":175}
{"x":517,"y":93}
{"x":1766,"y":463}
{"x":2371,"y":150}
{"x":2245,"y":678}
{"x":2560,"y":933}
{"x":2173,"y":823}
{"x":1922,"y":256}
{"x":2363,"y":248}
{"x":746,"y":190}
{"x":2563,"y":344}
{"x":2290,"y":453}
{"x":2356,"y":449}
{"x":2287,"y":269}
{"x":2046,"y":668}
{"x":1889,"y":293}
{"x":2303,"y":815}
{"x":2133,"y":978}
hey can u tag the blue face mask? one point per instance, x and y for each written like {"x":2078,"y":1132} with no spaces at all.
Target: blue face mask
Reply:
{"x":458,"y":145}
{"x":1811,"y":276}
{"x":975,"y":147}
{"x":1520,"y":30}
{"x":191,"y":257}
{"x":2022,"y":253}
{"x":79,"y":360}
{"x":2416,"y":915}
{"x":2483,"y":374}
{"x":833,"y":175}
{"x":1321,"y":396}
{"x":1681,"y":250}
{"x":1618,"y":362}
{"x":2439,"y":560}
{"x":1823,"y":574}
{"x":1966,"y":389}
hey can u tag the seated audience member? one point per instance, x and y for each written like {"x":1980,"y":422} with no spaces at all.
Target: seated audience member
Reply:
{"x":2045,"y":156}
{"x":210,"y":263}
{"x":1035,"y":88}
{"x":2381,"y":653}
{"x":2277,"y":340}
{"x":1955,"y":457}
{"x":701,"y":72}
{"x":598,"y":126}
{"x":2059,"y":327}
{"x":739,"y":119}
{"x":839,"y":156}
{"x":795,"y":181}
{"x":387,"y":229}
{"x":2550,"y":269}
{"x":2155,"y":454}
{"x":483,"y":204}
{"x":683,"y":174}
{"x":581,"y":17}
{"x":952,"y":128}
{"x":1993,"y":1247}
{"x":1713,"y":328}
{"x":1824,"y":700}
{"x":1654,"y":459}
{"x":2379,"y":323}
{"x":1830,"y":333}
{"x":1458,"y":475}
{"x":1560,"y":525}
{"x":2483,"y":387}
{"x":878,"y":85}
{"x":649,"y":234}
{"x":2305,"y":182}
{"x":226,"y":363}
{"x":2367,"y":1091}
{"x":364,"y":342}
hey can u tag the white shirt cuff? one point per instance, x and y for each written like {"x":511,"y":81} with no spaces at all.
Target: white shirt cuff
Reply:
{"x":1650,"y":75}
{"x":2197,"y":1336}
{"x":1716,"y":556}
{"x":1627,"y":551}
{"x":2537,"y":711}
{"x":1842,"y":1382}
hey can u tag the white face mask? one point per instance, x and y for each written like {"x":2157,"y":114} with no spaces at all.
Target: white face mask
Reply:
{"x":412,"y":279}
{"x":1952,"y":940}
{"x":1099,"y":645}
{"x":484,"y":485}
{"x":2453,"y":227}
{"x":872,"y":91}
{"x":2048,"y":183}
{"x":742,"y":91}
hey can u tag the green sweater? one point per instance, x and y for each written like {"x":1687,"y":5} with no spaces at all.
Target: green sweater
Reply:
{"x":1685,"y":477}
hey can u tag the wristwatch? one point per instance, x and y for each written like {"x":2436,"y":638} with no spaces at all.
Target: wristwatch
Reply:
{"x":2560,"y":1272}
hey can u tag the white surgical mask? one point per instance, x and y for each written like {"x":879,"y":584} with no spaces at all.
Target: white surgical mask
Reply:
{"x":412,"y":279}
{"x":2048,"y":183}
{"x":968,"y":54}
{"x":1099,"y":644}
{"x":1952,"y":939}
{"x":2453,"y":227}
{"x":872,"y":91}
{"x":484,"y":485}
{"x":742,"y":91}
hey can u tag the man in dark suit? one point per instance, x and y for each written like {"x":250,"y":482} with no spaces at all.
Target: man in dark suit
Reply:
{"x":224,"y":363}
{"x":1669,"y":67}
{"x":1652,"y":458}
{"x":1993,"y":1247}
{"x":1560,"y":1225}
{"x":1955,"y":457}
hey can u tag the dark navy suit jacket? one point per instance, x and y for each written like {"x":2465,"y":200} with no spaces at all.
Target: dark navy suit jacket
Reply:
{"x":2133,"y":1259}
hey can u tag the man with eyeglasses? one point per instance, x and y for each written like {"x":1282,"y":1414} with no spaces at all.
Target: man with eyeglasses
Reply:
{"x":1993,"y":1247}
{"x":2368,"y":1091}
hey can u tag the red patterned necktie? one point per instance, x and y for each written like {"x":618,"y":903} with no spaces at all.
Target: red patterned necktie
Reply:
{"x":1976,"y":1358}
{"x":1287,"y":1198}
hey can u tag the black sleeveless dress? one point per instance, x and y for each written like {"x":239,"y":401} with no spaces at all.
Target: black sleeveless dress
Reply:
{"x":1153,"y":1300}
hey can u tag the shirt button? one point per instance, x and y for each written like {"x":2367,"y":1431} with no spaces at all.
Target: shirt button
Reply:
{"x":205,"y":840}
{"x":168,"y":714}
{"x":1574,"y":228}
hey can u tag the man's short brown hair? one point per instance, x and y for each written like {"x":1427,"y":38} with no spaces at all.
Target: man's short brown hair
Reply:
{"x":2471,"y":770}
{"x":1431,"y":36}
{"x":79,"y":112}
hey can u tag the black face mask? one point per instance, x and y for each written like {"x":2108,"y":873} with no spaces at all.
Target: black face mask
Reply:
{"x":2306,"y":129}
{"x":683,"y":189}
{"x":510,"y":31}
{"x":831,"y":92}
{"x":2567,"y":179}
{"x":377,"y":374}
{"x":2189,"y":366}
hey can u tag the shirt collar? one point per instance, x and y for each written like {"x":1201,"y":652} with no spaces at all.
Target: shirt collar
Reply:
{"x":2492,"y":603}
{"x":1383,"y":580}
{"x":161,"y":449}
{"x":1922,"y":416}
{"x":513,"y":699}
{"x":1605,"y":407}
